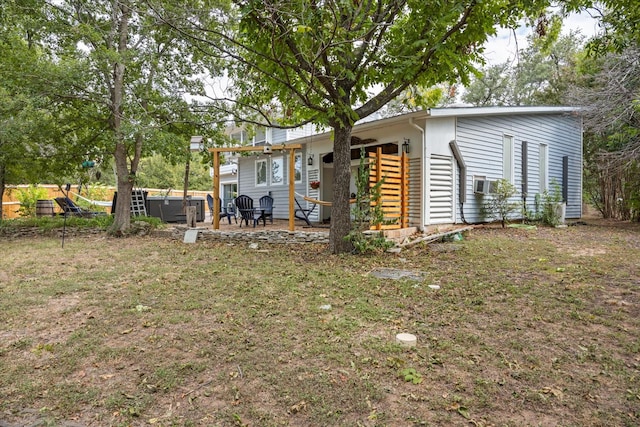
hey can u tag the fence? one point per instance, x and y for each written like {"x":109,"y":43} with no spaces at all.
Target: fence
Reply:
{"x":11,"y":204}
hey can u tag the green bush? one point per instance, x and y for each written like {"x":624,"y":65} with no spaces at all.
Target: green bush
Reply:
{"x":499,"y":205}
{"x":549,"y":213}
{"x":28,"y":199}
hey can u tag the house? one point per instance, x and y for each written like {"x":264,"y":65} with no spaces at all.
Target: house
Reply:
{"x":453,"y":155}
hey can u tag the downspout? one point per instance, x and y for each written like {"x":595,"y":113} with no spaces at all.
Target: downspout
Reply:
{"x":423,"y":172}
{"x":462,"y":189}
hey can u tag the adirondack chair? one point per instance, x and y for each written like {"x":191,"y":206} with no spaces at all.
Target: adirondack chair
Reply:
{"x":223,"y":212}
{"x":266,"y":209}
{"x":244,"y":206}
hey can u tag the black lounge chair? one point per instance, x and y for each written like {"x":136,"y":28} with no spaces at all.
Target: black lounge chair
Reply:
{"x":303,"y":214}
{"x":70,"y":208}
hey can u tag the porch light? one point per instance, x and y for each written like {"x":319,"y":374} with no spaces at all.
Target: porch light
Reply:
{"x":267,"y":149}
{"x":405,"y":145}
{"x":310,"y":160}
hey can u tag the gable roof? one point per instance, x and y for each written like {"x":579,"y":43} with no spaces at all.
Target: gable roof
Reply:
{"x":445,"y":112}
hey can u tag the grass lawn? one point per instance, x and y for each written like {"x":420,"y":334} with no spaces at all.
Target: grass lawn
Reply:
{"x":528,"y":328}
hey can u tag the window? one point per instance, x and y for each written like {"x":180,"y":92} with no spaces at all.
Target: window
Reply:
{"x":508,"y":158}
{"x":229,"y":192}
{"x":297,"y":168}
{"x":277,"y":170}
{"x":261,"y":135}
{"x":544,"y":167}
{"x":261,"y":172}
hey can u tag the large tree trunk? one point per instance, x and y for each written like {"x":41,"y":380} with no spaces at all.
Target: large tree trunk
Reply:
{"x":125,"y":178}
{"x":2,"y":179}
{"x":340,"y":211}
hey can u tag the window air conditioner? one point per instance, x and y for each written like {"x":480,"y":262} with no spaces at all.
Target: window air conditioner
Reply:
{"x":481,"y":186}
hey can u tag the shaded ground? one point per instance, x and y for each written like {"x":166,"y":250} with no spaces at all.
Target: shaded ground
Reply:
{"x":526,"y":328}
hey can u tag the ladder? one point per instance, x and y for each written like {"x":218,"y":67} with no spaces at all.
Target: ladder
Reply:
{"x":138,"y":207}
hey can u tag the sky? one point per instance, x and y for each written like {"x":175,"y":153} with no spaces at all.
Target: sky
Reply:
{"x":505,"y":44}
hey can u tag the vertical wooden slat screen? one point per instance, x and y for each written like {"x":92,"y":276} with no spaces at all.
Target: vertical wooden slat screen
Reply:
{"x":394,"y":190}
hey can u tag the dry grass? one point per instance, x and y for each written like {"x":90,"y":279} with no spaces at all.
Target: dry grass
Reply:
{"x":527,"y":328}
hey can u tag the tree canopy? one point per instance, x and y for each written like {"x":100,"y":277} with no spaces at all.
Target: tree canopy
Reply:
{"x":335,"y":62}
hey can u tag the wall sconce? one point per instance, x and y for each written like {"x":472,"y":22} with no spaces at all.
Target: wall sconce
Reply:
{"x":405,"y":145}
{"x":267,"y":149}
{"x":310,"y":160}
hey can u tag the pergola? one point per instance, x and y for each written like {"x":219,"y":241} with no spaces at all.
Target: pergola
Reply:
{"x":216,"y":177}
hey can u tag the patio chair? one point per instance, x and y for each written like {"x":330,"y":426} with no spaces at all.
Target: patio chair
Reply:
{"x":244,"y":206}
{"x":302,"y":213}
{"x":266,"y":207}
{"x":70,"y":208}
{"x":224,"y":212}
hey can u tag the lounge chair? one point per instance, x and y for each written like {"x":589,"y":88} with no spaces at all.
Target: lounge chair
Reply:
{"x":70,"y":208}
{"x":302,"y":213}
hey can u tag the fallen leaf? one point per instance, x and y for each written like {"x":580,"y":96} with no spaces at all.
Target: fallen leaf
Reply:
{"x":298,"y":407}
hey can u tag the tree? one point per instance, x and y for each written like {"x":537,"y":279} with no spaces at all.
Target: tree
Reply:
{"x":34,"y":146}
{"x":609,"y":93}
{"x":541,"y":75}
{"x":335,"y":62}
{"x":129,"y":98}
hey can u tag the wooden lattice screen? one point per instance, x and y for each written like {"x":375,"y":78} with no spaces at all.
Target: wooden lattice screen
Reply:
{"x":394,"y":190}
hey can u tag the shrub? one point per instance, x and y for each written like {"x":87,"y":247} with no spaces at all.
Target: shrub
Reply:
{"x":28,"y":199}
{"x":499,"y":206}
{"x":549,"y":214}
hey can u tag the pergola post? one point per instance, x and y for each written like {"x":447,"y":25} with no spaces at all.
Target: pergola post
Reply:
{"x":216,"y":191}
{"x":292,"y":189}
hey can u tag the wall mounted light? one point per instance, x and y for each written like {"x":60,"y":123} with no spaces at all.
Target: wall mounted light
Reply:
{"x":405,"y":145}
{"x":267,"y":149}
{"x":310,"y":160}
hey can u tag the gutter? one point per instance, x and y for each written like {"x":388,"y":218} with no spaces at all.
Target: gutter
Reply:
{"x":424,"y":175}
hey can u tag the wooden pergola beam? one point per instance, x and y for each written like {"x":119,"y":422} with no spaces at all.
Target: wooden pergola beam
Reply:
{"x":216,"y":176}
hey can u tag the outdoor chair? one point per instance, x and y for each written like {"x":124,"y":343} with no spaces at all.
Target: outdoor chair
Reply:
{"x":304,"y":213}
{"x":244,"y":206}
{"x":266,"y":209}
{"x":224,"y":212}
{"x":70,"y":208}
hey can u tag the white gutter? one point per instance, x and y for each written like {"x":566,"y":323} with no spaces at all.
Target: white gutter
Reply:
{"x":423,"y":185}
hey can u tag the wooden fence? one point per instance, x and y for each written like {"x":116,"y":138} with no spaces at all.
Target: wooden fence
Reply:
{"x":394,"y":189}
{"x":11,"y":204}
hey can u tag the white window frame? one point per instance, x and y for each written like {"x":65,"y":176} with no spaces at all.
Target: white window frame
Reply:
{"x":280,"y":161}
{"x":508,"y":158}
{"x":260,"y":162}
{"x":543,"y":158}
{"x":297,"y":168}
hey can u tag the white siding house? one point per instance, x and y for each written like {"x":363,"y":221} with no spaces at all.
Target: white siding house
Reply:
{"x":449,"y":149}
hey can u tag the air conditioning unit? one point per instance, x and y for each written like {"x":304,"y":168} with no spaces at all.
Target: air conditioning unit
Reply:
{"x":481,"y":186}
